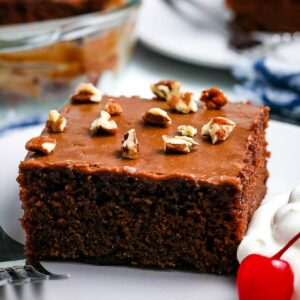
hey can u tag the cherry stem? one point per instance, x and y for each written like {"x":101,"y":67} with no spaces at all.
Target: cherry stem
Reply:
{"x":286,"y":247}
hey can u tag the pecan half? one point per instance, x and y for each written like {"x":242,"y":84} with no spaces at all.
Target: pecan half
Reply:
{"x":113,"y":108}
{"x":178,"y":144}
{"x":183,"y":103}
{"x":41,"y":144}
{"x":218,"y":129}
{"x":187,"y":130}
{"x":86,"y":93}
{"x":104,"y":124}
{"x":213,"y":98}
{"x":130,"y":145}
{"x":157,"y":116}
{"x":164,"y":89}
{"x":56,"y":123}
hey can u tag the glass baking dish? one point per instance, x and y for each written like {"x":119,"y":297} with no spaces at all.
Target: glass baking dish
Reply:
{"x":42,"y":62}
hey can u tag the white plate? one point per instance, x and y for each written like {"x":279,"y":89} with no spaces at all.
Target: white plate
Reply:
{"x":98,"y":282}
{"x":164,"y":31}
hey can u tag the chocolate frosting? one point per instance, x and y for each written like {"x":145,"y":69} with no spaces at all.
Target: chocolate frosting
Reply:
{"x":212,"y":164}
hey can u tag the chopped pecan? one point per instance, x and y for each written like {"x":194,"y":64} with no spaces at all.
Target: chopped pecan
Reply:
{"x":164,"y":89}
{"x":41,"y":144}
{"x":187,"y":130}
{"x":213,"y":98}
{"x":178,"y":144}
{"x":157,"y":116}
{"x":130,"y":145}
{"x":183,"y":103}
{"x":113,"y":108}
{"x":218,"y":129}
{"x":86,"y":93}
{"x":56,"y":123}
{"x":104,"y":124}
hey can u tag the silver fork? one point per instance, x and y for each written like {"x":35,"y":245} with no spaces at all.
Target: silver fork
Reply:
{"x":13,"y":267}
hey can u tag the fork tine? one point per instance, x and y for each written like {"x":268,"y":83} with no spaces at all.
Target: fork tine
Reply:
{"x":34,"y":275}
{"x":17,"y":277}
{"x":37,"y":266}
{"x":3,"y":276}
{"x":12,"y":253}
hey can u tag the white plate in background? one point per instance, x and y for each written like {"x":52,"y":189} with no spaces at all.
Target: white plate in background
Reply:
{"x":164,"y":31}
{"x":105,"y":282}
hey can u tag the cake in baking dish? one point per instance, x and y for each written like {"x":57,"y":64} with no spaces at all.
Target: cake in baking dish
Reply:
{"x":23,"y":11}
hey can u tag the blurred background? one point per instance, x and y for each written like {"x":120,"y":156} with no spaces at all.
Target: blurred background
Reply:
{"x":248,"y":48}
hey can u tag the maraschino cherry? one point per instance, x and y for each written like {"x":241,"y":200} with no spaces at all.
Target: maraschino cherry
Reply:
{"x":266,"y":278}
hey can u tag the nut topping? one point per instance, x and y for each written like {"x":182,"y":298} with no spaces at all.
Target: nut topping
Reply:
{"x":56,"y":123}
{"x":130,"y":145}
{"x":187,"y":130}
{"x":41,"y":144}
{"x":157,"y":116}
{"x":183,"y":103}
{"x":113,"y":108}
{"x":213,"y":98}
{"x":218,"y":129}
{"x":104,"y":124}
{"x":86,"y":93}
{"x":178,"y":144}
{"x":164,"y":89}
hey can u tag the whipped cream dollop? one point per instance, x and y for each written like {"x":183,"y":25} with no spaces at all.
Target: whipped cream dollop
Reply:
{"x":274,"y":223}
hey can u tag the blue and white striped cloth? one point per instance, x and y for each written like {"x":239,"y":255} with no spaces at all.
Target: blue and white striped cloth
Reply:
{"x":15,"y":122}
{"x":271,"y":81}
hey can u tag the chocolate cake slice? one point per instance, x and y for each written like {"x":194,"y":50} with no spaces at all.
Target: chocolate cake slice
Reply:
{"x":87,"y":201}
